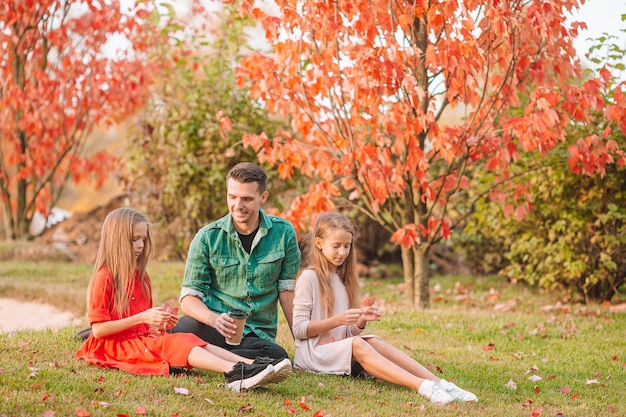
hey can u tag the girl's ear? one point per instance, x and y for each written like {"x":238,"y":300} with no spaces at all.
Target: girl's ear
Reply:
{"x":317,"y":242}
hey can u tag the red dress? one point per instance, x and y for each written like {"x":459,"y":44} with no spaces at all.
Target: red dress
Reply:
{"x":133,"y":350}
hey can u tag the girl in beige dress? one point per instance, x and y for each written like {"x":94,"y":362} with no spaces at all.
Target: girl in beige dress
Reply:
{"x":328,"y":320}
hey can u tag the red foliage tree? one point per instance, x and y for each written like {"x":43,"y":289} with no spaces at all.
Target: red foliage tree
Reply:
{"x":367,"y":83}
{"x":61,"y":73}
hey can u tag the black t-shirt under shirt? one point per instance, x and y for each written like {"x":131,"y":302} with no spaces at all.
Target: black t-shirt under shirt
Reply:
{"x":246,"y":240}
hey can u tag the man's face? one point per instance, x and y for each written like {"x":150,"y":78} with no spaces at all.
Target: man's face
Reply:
{"x":244,"y":202}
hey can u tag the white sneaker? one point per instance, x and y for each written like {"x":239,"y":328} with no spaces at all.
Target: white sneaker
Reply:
{"x":434,"y":392}
{"x":456,"y":392}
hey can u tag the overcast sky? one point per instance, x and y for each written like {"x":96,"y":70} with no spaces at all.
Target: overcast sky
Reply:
{"x":601,"y":16}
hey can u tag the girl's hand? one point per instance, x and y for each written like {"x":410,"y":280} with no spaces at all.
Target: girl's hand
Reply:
{"x":173,"y":320}
{"x":371,"y":314}
{"x":350,"y":316}
{"x":155,"y":316}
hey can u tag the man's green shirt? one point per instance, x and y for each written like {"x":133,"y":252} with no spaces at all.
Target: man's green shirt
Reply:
{"x":221,"y":273}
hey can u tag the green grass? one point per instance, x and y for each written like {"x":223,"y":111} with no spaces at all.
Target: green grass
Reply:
{"x":530,"y":333}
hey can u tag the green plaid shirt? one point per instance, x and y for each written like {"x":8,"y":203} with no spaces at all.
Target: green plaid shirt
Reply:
{"x":223,"y":275}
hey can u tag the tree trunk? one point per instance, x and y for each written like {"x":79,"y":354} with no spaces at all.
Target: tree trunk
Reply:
{"x":407,"y":269}
{"x":421,"y":273}
{"x":416,"y":268}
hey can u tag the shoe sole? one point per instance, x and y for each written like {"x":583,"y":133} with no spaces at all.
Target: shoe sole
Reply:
{"x":282,"y":371}
{"x":262,"y":378}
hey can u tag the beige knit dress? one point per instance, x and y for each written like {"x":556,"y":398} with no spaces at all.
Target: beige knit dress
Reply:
{"x":330,"y":352}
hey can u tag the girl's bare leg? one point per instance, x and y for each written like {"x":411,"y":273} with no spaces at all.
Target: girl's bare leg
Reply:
{"x":225,"y":354}
{"x":401,"y":359}
{"x":203,"y":359}
{"x":379,"y":366}
{"x":214,"y":358}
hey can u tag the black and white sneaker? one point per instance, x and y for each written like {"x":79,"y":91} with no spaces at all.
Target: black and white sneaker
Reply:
{"x":282,"y":367}
{"x":244,"y":376}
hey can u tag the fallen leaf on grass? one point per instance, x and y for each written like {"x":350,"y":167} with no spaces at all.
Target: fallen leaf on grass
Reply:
{"x":490,"y":346}
{"x":246,"y":407}
{"x":592,"y":381}
{"x":536,"y":413}
{"x":536,"y":389}
{"x":24,"y":344}
{"x":141,"y":410}
{"x":319,"y":413}
{"x":81,"y":412}
{"x":565,"y":390}
{"x":182,"y":391}
{"x":533,"y":368}
{"x":534,"y":378}
{"x":48,"y":413}
{"x":511,"y":385}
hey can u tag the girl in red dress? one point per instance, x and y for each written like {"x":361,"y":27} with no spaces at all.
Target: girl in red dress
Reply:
{"x":128,"y":333}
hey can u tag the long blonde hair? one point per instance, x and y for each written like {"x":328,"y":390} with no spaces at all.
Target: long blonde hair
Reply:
{"x":116,"y":253}
{"x":325,"y":224}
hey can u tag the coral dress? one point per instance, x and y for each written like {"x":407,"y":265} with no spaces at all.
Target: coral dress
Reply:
{"x":133,"y":350}
{"x":331,"y":351}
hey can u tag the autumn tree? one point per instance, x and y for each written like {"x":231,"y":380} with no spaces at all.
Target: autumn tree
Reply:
{"x":65,"y":67}
{"x":369,"y":84}
{"x":575,"y":237}
{"x":188,"y":135}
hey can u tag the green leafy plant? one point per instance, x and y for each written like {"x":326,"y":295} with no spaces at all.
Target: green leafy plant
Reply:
{"x":574,"y":238}
{"x":188,"y":136}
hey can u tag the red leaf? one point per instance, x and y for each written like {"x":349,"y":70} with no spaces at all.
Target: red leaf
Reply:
{"x":246,"y":408}
{"x":565,"y":390}
{"x":490,"y":346}
{"x":48,"y":413}
{"x":304,"y":406}
{"x":45,"y":397}
{"x":81,"y":412}
{"x":367,"y":301}
{"x":536,"y":389}
{"x":140,"y":410}
{"x":319,"y":413}
{"x":536,"y":413}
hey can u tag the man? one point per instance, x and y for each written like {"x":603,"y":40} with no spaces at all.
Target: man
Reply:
{"x":247,"y":260}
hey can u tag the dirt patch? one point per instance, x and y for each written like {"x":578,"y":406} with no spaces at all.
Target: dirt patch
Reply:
{"x":78,"y":236}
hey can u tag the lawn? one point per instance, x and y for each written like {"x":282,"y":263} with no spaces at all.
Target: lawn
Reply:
{"x":523,"y":352}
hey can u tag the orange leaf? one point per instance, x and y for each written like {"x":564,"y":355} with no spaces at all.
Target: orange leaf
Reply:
{"x":81,"y":412}
{"x":367,"y":301}
{"x":490,"y":346}
{"x":140,"y":410}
